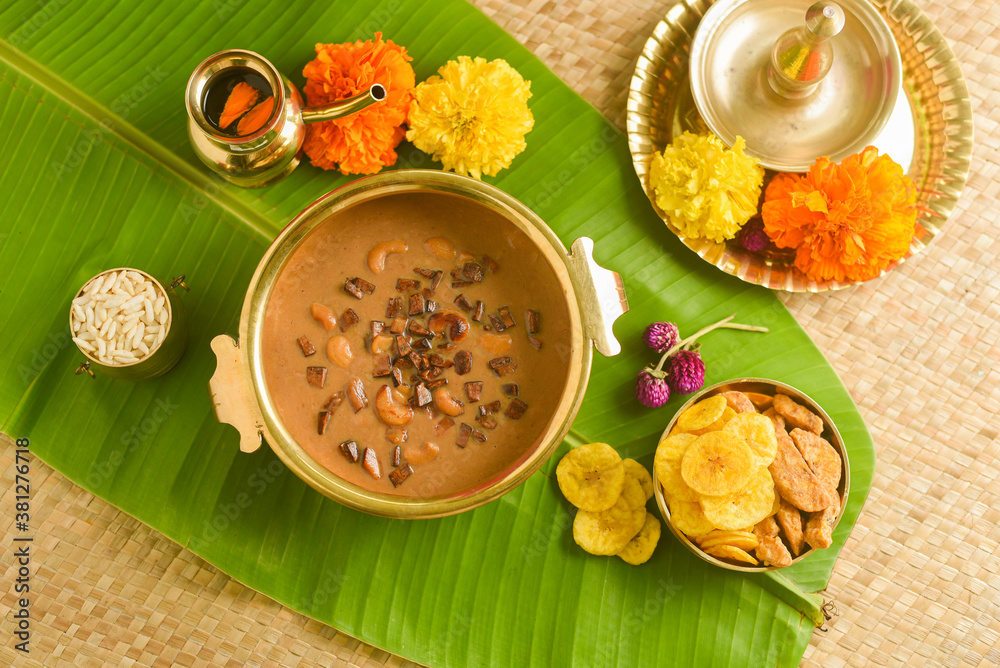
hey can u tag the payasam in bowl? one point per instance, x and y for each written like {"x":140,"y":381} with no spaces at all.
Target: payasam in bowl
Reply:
{"x":415,"y":344}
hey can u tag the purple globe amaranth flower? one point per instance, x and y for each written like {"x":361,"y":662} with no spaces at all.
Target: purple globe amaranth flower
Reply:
{"x":661,"y":336}
{"x":752,"y":236}
{"x":685,"y":372}
{"x":651,"y":391}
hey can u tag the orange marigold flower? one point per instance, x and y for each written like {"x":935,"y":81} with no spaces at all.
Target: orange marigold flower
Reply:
{"x":365,"y":142}
{"x":846,"y":222}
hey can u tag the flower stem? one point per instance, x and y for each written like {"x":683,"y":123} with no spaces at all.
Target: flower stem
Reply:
{"x":722,"y":324}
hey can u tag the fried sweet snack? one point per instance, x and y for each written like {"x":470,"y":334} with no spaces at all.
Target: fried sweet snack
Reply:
{"x":606,"y":532}
{"x":640,"y":549}
{"x":718,"y":463}
{"x":731,"y":552}
{"x":819,"y":527}
{"x":757,"y":432}
{"x":821,"y":457}
{"x":591,"y":476}
{"x":745,"y":540}
{"x":745,"y":507}
{"x":702,"y":414}
{"x":779,"y":422}
{"x":636,"y":470}
{"x":790,"y":520}
{"x":771,"y":551}
{"x":797,"y":415}
{"x":739,"y":401}
{"x":793,"y":479}
{"x":689,"y":518}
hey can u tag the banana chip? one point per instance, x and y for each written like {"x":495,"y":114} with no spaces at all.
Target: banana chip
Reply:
{"x":745,"y":507}
{"x":640,"y":549}
{"x":761,"y":401}
{"x":718,"y":463}
{"x":673,"y":447}
{"x":668,"y":473}
{"x":689,"y":518}
{"x":702,"y":414}
{"x":731,"y":552}
{"x":591,"y":476}
{"x":758,"y":432}
{"x":745,"y":540}
{"x":606,"y":532}
{"x":634,"y":469}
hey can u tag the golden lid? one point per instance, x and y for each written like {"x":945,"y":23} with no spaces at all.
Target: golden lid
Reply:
{"x":797,"y":80}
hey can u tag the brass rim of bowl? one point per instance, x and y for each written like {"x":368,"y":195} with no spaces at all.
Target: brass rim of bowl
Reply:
{"x":254,"y":309}
{"x":152,"y":351}
{"x":741,"y":384}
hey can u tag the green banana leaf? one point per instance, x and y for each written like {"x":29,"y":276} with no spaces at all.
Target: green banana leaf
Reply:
{"x":98,"y":173}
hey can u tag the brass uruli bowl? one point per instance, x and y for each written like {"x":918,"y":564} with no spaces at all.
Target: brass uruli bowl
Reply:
{"x":764,"y":386}
{"x":595,"y":297}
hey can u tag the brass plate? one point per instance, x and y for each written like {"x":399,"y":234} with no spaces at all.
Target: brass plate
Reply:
{"x":660,"y":105}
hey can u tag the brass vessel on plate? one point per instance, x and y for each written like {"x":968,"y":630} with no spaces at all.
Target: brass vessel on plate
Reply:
{"x":764,"y":386}
{"x":595,"y":297}
{"x":739,"y":89}
{"x":929,"y":133}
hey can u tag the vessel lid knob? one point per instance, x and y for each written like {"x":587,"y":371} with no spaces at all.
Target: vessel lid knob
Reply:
{"x":802,"y":56}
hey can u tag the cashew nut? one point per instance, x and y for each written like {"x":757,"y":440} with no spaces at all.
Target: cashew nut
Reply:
{"x":376,"y":256}
{"x":448,"y":404}
{"x":324,"y":316}
{"x":392,"y":413}
{"x":422,"y":455}
{"x":494,"y":344}
{"x":440,"y":247}
{"x":458,"y":326}
{"x":338,"y":349}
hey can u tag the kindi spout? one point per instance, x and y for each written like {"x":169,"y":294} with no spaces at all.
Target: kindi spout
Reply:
{"x":802,"y":56}
{"x":351,"y":105}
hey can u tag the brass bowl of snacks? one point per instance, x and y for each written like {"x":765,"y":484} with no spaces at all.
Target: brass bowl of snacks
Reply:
{"x":751,"y":475}
{"x":415,"y":344}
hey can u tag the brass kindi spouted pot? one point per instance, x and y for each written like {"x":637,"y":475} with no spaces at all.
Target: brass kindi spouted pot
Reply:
{"x":271,"y":152}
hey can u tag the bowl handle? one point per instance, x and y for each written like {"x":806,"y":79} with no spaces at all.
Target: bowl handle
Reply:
{"x":226,"y":389}
{"x":601,"y":296}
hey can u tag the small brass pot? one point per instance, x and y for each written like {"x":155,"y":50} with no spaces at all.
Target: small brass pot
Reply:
{"x":763,"y":386}
{"x":162,"y":358}
{"x":595,"y":297}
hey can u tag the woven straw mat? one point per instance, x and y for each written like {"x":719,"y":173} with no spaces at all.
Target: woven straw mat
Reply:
{"x":918,"y":582}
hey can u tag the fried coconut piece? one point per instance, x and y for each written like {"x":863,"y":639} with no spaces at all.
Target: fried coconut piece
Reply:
{"x":770,"y":550}
{"x":793,"y":479}
{"x":640,"y":549}
{"x":821,"y":457}
{"x":779,"y":422}
{"x":739,"y":402}
{"x":591,"y":477}
{"x":819,"y":528}
{"x":797,"y":415}
{"x":790,"y":520}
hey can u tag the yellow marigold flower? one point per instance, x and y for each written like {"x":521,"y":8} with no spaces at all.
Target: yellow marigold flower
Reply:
{"x":707,"y":190}
{"x":473,"y":117}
